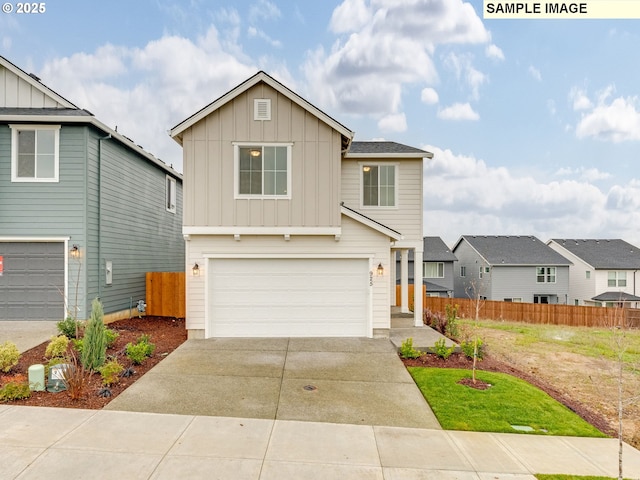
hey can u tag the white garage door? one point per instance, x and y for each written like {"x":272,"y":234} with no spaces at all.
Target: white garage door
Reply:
{"x":288,"y":297}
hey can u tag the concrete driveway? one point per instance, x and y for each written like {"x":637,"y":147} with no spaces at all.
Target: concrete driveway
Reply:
{"x":337,"y":380}
{"x":27,"y":334}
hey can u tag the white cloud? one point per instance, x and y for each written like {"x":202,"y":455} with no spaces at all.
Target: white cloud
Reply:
{"x":582,"y":173}
{"x":535,"y":73}
{"x":461,"y":65}
{"x":579,"y":99}
{"x":458,"y":111}
{"x":146,"y":91}
{"x":463,"y":195}
{"x":263,"y":10}
{"x":389,"y":44}
{"x":254,"y":32}
{"x":429,"y":96}
{"x":494,"y":52}
{"x":615,"y":120}
{"x":396,"y":122}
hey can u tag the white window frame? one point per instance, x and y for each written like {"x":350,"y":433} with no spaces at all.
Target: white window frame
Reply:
{"x":439,"y":268}
{"x":170,"y":194}
{"x":547,"y":273}
{"x":15,"y":129}
{"x":619,"y":278}
{"x":463,"y":270}
{"x":395,"y":165}
{"x":236,"y":166}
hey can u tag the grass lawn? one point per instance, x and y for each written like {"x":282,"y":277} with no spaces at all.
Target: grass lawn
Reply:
{"x":509,"y":401}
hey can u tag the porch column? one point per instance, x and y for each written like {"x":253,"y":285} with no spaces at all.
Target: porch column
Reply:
{"x":392,"y":275}
{"x":404,"y":280}
{"x":417,"y":289}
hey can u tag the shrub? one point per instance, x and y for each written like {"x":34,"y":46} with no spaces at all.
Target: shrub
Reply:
{"x":70,"y":328}
{"x":407,"y":350}
{"x":77,"y":344}
{"x":441,"y":350}
{"x":110,"y":372}
{"x":451,"y":328}
{"x":9,"y":356}
{"x":137,"y":352}
{"x":94,"y":346}
{"x":15,"y":390}
{"x":74,"y":375}
{"x":110,"y":337}
{"x":435,"y":320}
{"x":57,"y":347}
{"x":468,"y":347}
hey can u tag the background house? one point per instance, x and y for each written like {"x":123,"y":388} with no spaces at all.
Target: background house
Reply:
{"x":291,"y":223}
{"x":510,"y":268}
{"x":84,"y":211}
{"x":603,"y":272}
{"x":437,"y":267}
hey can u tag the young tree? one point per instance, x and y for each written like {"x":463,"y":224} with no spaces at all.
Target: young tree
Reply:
{"x":473,"y":292}
{"x":94,"y":345}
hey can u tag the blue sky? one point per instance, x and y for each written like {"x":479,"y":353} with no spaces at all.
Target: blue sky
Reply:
{"x":535,"y":124}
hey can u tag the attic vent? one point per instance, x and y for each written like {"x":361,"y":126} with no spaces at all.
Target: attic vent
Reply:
{"x":262,"y":109}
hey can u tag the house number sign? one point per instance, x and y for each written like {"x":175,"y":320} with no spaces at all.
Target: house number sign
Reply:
{"x":370,"y":278}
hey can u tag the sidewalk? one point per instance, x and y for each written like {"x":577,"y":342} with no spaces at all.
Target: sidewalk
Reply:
{"x":40,"y":443}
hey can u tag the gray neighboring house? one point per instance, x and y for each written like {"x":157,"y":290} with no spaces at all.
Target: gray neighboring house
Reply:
{"x":604,"y":271}
{"x":511,"y":269}
{"x":437,"y":267}
{"x":84,"y":211}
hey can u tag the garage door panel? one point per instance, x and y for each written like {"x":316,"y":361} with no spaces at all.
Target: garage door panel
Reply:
{"x":288,"y":297}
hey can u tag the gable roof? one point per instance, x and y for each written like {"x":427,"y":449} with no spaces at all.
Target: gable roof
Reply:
{"x":435,"y":250}
{"x":67,"y":112}
{"x":525,"y":250}
{"x":260,"y":77}
{"x":370,"y":222}
{"x":603,"y":253}
{"x":384,"y":149}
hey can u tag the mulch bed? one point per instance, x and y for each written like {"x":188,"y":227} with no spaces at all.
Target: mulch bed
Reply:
{"x":166,"y":334}
{"x":459,"y":360}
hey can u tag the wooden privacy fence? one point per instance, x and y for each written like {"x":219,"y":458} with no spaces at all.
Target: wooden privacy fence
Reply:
{"x":540,"y":313}
{"x":166,"y":294}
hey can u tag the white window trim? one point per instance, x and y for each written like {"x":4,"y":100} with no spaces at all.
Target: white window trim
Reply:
{"x":172,"y":191}
{"x":14,"y":153}
{"x":236,"y":168}
{"x":545,"y":275}
{"x":424,"y":269}
{"x":395,"y":187}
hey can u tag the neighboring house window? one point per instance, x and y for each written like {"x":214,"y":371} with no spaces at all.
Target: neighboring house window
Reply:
{"x":35,"y":153}
{"x":463,"y":271}
{"x":263,"y":170}
{"x":433,"y":270}
{"x":546,"y":274}
{"x":617,"y":279}
{"x":587,"y":274}
{"x":378,"y":185}
{"x":514,"y":299}
{"x":483,"y":270}
{"x":170,"y":200}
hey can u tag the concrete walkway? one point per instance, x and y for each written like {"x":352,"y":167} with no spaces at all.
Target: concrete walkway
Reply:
{"x":38,"y":443}
{"x":27,"y":334}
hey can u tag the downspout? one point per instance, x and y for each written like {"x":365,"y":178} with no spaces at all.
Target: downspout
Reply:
{"x":99,"y":181}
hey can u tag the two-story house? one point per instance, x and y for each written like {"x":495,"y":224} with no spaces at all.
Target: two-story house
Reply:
{"x":290,"y":225}
{"x":437,"y":268}
{"x":603,"y":272}
{"x":510,"y":269}
{"x":84,"y":211}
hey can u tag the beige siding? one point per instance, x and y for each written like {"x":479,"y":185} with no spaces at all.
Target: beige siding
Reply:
{"x":18,"y":93}
{"x":406,"y":218}
{"x":209,"y":166}
{"x":356,"y":240}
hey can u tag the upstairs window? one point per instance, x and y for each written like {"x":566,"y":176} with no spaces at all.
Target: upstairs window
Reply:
{"x":617,"y":279}
{"x":545,"y":274}
{"x":463,"y":271}
{"x":170,"y":194}
{"x":433,"y":270}
{"x":263,"y":171}
{"x":378,"y":185}
{"x":35,"y":153}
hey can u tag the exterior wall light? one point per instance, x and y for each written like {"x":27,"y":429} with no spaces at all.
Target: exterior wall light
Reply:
{"x":74,"y":252}
{"x":255,"y":153}
{"x":380,"y":270}
{"x":196,"y":270}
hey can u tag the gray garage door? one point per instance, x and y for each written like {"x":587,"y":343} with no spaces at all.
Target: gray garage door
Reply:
{"x":31,"y":280}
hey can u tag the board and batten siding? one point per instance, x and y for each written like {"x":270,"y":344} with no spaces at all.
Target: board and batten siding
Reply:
{"x":49,"y":209}
{"x":407,"y":217}
{"x":209,"y":166}
{"x":128,"y":223}
{"x":356,"y":240}
{"x":18,"y":93}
